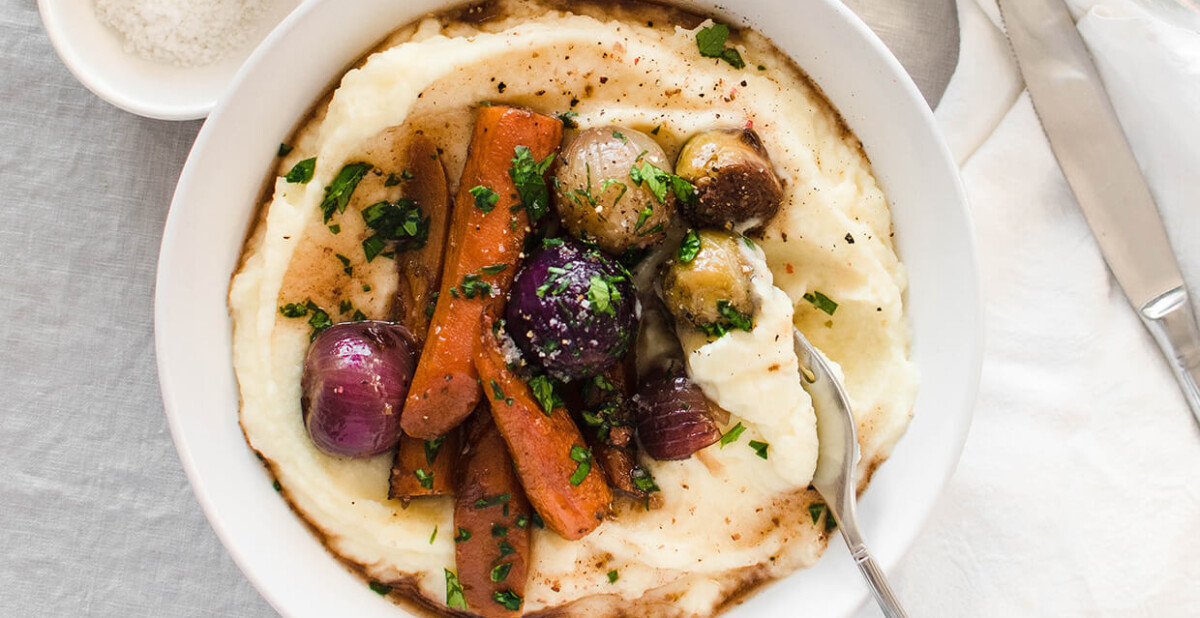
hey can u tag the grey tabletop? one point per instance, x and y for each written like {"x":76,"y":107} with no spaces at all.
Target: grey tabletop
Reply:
{"x":96,"y":515}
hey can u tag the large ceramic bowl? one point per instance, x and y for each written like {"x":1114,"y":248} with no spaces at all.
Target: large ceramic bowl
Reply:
{"x":218,"y":193}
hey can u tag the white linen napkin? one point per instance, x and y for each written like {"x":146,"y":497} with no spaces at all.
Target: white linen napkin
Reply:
{"x":1078,"y":492}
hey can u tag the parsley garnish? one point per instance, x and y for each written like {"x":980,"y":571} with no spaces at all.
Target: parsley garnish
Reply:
{"x":554,"y":273}
{"x":522,"y":521}
{"x":544,"y":391}
{"x":816,"y":510}
{"x":399,"y":221}
{"x":552,"y":242}
{"x":643,"y":480}
{"x":497,"y":392}
{"x":732,"y":435}
{"x":484,"y":503}
{"x":505,"y":548}
{"x":601,"y":295}
{"x":432,"y":447}
{"x":392,"y":180}
{"x":319,"y":321}
{"x":821,"y":301}
{"x":346,"y":267}
{"x":284,"y":149}
{"x":294,"y":310}
{"x":568,"y":120}
{"x":485,"y":198}
{"x":433,"y":536}
{"x":731,"y":319}
{"x":454,"y":591}
{"x":583,"y":457}
{"x":689,"y":248}
{"x":528,"y":175}
{"x":711,"y":42}
{"x":493,"y":269}
{"x":473,"y":286}
{"x":372,"y":246}
{"x":684,"y":190}
{"x":655,"y":179}
{"x":335,"y":229}
{"x":613,"y":576}
{"x":500,"y":572}
{"x":760,"y":448}
{"x":508,"y":599}
{"x":608,"y":182}
{"x":499,"y":531}
{"x":643,"y":216}
{"x":302,"y":172}
{"x":337,"y":194}
{"x":463,"y":535}
{"x":621,"y":136}
{"x":380,"y":589}
{"x":424,"y":478}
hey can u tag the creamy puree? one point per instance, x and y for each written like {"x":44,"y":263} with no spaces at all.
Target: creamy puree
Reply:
{"x":728,"y":518}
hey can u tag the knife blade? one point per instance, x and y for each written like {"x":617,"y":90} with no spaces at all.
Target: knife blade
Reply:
{"x":1086,"y":138}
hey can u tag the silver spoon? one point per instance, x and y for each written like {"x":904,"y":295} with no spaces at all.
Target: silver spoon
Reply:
{"x":837,"y":457}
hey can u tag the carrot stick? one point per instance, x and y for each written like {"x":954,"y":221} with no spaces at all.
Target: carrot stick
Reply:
{"x":423,"y":468}
{"x":565,"y":486}
{"x":485,"y":244}
{"x":491,"y":523}
{"x":420,"y":270}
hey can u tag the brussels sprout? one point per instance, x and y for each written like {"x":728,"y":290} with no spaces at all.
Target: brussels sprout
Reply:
{"x":735,"y":183}
{"x":707,"y":283}
{"x":573,"y":311}
{"x":614,"y":189}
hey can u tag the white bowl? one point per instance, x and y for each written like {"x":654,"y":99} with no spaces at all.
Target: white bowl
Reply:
{"x":95,"y":54}
{"x":217,"y":196}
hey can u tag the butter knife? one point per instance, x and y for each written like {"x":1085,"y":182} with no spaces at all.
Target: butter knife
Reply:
{"x":1099,"y":165}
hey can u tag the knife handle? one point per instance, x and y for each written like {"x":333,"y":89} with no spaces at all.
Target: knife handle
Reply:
{"x":1173,"y":325}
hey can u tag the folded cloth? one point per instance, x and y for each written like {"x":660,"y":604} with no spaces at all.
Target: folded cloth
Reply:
{"x":1077,"y":493}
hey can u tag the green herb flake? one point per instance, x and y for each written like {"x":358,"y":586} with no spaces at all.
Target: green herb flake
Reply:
{"x":499,"y":531}
{"x":337,"y":194}
{"x":485,"y":198}
{"x":493,"y":269}
{"x":400,"y":221}
{"x":762,"y":68}
{"x":345,"y":306}
{"x":497,"y":392}
{"x":372,"y":246}
{"x":276,"y":486}
{"x":821,"y":301}
{"x":433,"y":536}
{"x":522,"y":521}
{"x":432,"y":447}
{"x":620,"y":136}
{"x":358,"y":316}
{"x":463,"y":535}
{"x":508,"y":599}
{"x":734,"y":58}
{"x":600,"y":296}
{"x":568,"y":120}
{"x":643,"y":480}
{"x":500,"y":572}
{"x":689,"y":248}
{"x":544,"y":392}
{"x":537,"y":520}
{"x":613,"y":576}
{"x":529,"y":177}
{"x":656,"y":130}
{"x":454,"y":591}
{"x":732,"y":435}
{"x":684,"y":190}
{"x":643,"y":217}
{"x":654,"y":178}
{"x":484,"y":503}
{"x":392,"y":180}
{"x":505,"y":549}
{"x":711,"y":42}
{"x":319,"y":321}
{"x":381,"y":589}
{"x":583,"y":457}
{"x":284,"y":150}
{"x":473,"y":286}
{"x":424,"y":478}
{"x":552,"y":242}
{"x":815,"y":510}
{"x":294,"y":310}
{"x":760,"y":448}
{"x":608,"y":182}
{"x":335,"y":229}
{"x":302,"y":172}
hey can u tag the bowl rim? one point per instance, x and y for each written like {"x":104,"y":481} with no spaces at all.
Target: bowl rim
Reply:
{"x":971,"y":293}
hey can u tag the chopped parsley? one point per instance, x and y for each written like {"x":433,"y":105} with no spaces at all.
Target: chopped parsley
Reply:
{"x":372,"y":247}
{"x":817,"y":509}
{"x":608,"y":182}
{"x":358,"y":316}
{"x":471,"y":286}
{"x":552,"y":242}
{"x":583,"y":457}
{"x":499,"y":531}
{"x":529,"y":177}
{"x":643,"y":217}
{"x":398,"y":221}
{"x":732,"y":435}
{"x":508,"y":599}
{"x":544,"y":391}
{"x":345,"y":306}
{"x":568,"y":120}
{"x":319,"y":320}
{"x":392,"y":180}
{"x":711,"y":41}
{"x":302,"y":172}
{"x":654,"y":178}
{"x":621,"y":136}
{"x":505,"y":549}
{"x":500,"y":572}
{"x":613,"y":576}
{"x":555,"y":273}
{"x":463,"y":535}
{"x":424,"y":478}
{"x":484,"y":503}
{"x":335,"y":229}
{"x":684,"y":190}
{"x":433,"y":536}
{"x":602,"y":294}
{"x":454,"y":591}
{"x":380,"y":589}
{"x":432,"y":447}
{"x":760,"y":448}
{"x":689,"y":248}
{"x":493,"y":269}
{"x":821,"y":301}
{"x":294,"y":310}
{"x":284,"y":149}
{"x":337,"y":194}
{"x":643,"y":480}
{"x":346,"y":268}
{"x":497,"y":392}
{"x":731,"y":319}
{"x":485,"y":198}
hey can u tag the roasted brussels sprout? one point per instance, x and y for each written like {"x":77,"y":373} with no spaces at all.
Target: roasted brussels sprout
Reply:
{"x":604,"y":195}
{"x":707,"y":283}
{"x":735,"y":183}
{"x":573,"y":311}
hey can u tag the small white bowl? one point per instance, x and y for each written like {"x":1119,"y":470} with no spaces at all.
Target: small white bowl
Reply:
{"x":218,"y":194}
{"x":96,"y":55}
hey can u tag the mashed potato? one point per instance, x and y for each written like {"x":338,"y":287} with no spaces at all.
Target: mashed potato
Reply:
{"x":729,"y":519}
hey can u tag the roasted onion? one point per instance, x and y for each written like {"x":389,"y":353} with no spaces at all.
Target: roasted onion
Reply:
{"x":356,"y":376}
{"x":674,"y":418}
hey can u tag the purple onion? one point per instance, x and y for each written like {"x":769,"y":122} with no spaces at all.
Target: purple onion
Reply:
{"x":356,"y":376}
{"x":674,"y":418}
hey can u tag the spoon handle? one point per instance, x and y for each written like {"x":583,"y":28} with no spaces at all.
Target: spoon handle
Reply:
{"x":874,"y":575}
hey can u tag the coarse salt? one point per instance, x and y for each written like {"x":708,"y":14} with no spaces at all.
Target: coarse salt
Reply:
{"x":181,"y":32}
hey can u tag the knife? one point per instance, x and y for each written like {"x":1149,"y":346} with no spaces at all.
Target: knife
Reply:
{"x":1098,"y":163}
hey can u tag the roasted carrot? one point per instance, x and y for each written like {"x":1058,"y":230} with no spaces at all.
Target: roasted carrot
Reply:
{"x":486,"y":237}
{"x":554,"y":463}
{"x":607,"y":423}
{"x":491,"y":523}
{"x":424,"y":468}
{"x":420,"y":270}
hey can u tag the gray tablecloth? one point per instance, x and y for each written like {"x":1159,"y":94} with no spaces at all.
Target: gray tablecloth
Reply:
{"x":96,"y":516}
